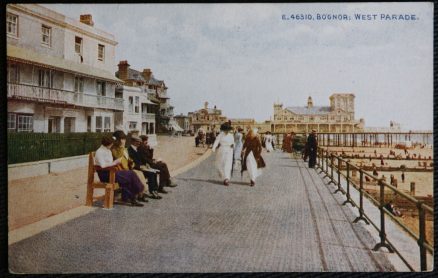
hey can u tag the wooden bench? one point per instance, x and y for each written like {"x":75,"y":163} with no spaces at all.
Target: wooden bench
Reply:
{"x":108,"y":197}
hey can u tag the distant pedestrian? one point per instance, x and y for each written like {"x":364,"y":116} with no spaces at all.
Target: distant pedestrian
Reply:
{"x":312,"y":146}
{"x":238,"y":144}
{"x":268,"y":141}
{"x":403,"y":177}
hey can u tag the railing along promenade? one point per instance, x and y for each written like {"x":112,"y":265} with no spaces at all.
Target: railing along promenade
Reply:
{"x":364,"y":139}
{"x":332,"y":165}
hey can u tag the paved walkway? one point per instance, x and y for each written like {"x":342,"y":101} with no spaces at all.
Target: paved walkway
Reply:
{"x":288,"y":222}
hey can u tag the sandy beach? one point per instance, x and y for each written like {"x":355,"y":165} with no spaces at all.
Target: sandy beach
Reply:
{"x":54,"y":193}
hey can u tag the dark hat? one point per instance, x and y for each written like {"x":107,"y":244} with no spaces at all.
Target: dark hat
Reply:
{"x":135,"y":137}
{"x":226,"y":127}
{"x":118,"y":134}
{"x":144,"y":137}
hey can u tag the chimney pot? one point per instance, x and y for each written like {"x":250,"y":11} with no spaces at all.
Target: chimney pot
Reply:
{"x":86,"y":19}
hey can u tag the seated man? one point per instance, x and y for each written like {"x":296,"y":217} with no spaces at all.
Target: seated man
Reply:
{"x":148,"y":172}
{"x":147,"y":154}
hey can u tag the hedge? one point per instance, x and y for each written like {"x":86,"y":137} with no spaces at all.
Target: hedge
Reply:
{"x":27,"y":147}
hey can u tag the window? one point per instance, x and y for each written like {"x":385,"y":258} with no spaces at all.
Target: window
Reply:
{"x":130,"y":104}
{"x":100,"y":52}
{"x":24,"y":123}
{"x":89,"y":124}
{"x":12,"y":24}
{"x":98,"y":124}
{"x":78,"y":45}
{"x":107,"y":125}
{"x":132,"y":125}
{"x":12,"y":124}
{"x":45,"y":78}
{"x":46,"y":33}
{"x":137,"y":105}
{"x":13,"y":73}
{"x":100,"y":88}
{"x":79,"y":84}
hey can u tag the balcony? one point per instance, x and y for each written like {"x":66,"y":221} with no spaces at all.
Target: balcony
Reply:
{"x":148,"y":117}
{"x":56,"y":96}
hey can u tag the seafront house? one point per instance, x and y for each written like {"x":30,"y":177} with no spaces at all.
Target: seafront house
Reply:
{"x":59,"y":72}
{"x":139,"y":112}
{"x":156,"y":101}
{"x":338,"y":117}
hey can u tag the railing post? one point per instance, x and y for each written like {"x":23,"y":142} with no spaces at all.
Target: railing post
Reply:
{"x":331,"y":169}
{"x":361,"y":212}
{"x":348,"y":187}
{"x":382,"y":233}
{"x":422,"y":236}
{"x":339,"y":177}
{"x":321,"y":159}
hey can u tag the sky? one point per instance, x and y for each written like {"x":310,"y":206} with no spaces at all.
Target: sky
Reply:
{"x":244,"y":57}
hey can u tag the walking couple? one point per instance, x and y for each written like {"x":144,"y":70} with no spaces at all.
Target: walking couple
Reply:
{"x":229,"y":145}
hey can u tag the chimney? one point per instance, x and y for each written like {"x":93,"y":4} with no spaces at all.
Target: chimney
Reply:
{"x":123,"y":70}
{"x":147,"y":73}
{"x":86,"y":19}
{"x":206,"y":104}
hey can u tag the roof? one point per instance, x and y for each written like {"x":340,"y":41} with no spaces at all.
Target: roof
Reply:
{"x":26,"y":55}
{"x":154,"y":81}
{"x":315,"y":110}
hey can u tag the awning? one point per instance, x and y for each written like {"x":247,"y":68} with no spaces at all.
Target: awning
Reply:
{"x":19,"y":54}
{"x":176,"y":127}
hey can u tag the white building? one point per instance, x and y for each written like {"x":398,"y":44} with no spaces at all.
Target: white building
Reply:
{"x":138,"y":114}
{"x":59,"y":72}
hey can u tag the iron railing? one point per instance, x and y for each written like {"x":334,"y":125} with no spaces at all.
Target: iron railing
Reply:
{"x":329,"y":163}
{"x":58,"y":96}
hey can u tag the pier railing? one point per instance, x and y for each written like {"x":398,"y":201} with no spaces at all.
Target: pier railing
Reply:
{"x":335,"y":166}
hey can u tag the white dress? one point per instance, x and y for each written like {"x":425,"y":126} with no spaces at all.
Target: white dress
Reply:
{"x":251,"y":166}
{"x":268,"y":142}
{"x":224,"y":156}
{"x":237,"y":145}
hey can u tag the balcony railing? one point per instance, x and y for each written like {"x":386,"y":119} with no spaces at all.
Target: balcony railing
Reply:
{"x":50,"y":95}
{"x":147,"y":116}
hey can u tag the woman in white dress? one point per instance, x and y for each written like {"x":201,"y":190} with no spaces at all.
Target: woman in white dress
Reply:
{"x":268,"y":141}
{"x":224,"y":156}
{"x":252,"y":159}
{"x":238,"y":146}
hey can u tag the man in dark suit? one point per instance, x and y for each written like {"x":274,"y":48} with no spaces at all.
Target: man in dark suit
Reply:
{"x":312,"y":146}
{"x":147,"y":154}
{"x":148,"y":172}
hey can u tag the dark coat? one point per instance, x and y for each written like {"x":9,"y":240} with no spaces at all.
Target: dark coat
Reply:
{"x":254,"y":145}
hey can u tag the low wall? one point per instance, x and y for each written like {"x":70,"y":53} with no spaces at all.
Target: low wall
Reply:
{"x":44,"y":167}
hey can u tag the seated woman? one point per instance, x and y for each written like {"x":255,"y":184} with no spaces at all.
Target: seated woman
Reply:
{"x":129,"y":182}
{"x":120,"y":152}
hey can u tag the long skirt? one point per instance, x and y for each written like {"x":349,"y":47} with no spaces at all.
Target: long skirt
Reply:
{"x":238,"y":151}
{"x":128,"y":181}
{"x":269,"y":145}
{"x":251,"y":165}
{"x":224,"y":161}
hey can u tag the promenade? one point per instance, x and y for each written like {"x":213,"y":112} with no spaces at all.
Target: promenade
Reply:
{"x":289,"y":222}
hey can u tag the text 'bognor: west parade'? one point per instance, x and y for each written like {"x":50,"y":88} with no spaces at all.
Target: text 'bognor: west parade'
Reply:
{"x":347,"y":17}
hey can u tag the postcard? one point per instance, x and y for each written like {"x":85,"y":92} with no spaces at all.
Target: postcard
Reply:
{"x":198,"y":138}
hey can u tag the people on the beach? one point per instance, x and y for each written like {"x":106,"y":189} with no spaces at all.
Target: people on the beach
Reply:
{"x":224,"y":156}
{"x":312,"y":146}
{"x":252,"y":158}
{"x":130,"y":184}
